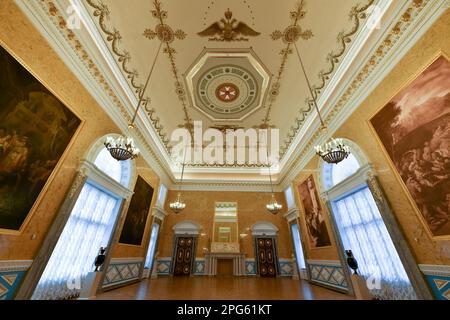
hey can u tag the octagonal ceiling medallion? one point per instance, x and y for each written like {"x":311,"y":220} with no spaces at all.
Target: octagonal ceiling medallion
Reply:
{"x":227,"y":86}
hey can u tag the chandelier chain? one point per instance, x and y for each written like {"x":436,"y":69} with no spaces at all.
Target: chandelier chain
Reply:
{"x":309,"y":85}
{"x":142,"y":93}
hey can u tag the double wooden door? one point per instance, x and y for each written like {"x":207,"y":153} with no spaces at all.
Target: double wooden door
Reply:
{"x":183,"y":256}
{"x":267,"y":260}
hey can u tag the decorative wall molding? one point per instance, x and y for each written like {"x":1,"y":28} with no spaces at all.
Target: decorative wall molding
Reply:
{"x":328,"y":273}
{"x":12,"y":273}
{"x":199,"y":267}
{"x":286,"y":267}
{"x":187,"y":228}
{"x":122,"y":271}
{"x":264,"y":228}
{"x":438,"y":278}
{"x":159,"y":213}
{"x":163,"y":266}
{"x":15,"y":265}
{"x":95,"y":175}
{"x":292,"y":214}
{"x":250,"y":267}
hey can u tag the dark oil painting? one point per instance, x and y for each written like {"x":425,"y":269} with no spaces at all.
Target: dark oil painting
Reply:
{"x":35,"y":129}
{"x":414,"y":128}
{"x":134,"y":225}
{"x":314,"y":215}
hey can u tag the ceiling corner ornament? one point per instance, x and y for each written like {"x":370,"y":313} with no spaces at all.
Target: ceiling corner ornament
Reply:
{"x":290,"y":35}
{"x":228,"y":29}
{"x":113,"y":36}
{"x":357,"y":15}
{"x":166,"y":35}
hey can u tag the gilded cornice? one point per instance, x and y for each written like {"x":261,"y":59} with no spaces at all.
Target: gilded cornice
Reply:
{"x":59,"y":21}
{"x":113,"y":36}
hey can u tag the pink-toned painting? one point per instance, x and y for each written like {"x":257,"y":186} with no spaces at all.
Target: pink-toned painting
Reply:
{"x":314,"y":215}
{"x":414,"y":128}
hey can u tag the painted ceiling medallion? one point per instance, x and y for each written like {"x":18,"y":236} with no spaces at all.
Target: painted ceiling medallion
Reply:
{"x":228,"y":29}
{"x":227,"y":92}
{"x":227,"y":89}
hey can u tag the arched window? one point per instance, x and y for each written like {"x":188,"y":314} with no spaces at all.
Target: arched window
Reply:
{"x":89,"y":226}
{"x":361,"y":227}
{"x":118,"y":170}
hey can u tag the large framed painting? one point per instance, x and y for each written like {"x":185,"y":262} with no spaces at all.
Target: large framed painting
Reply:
{"x":314,"y":216}
{"x":35,"y":130}
{"x":414,"y":131}
{"x":136,"y":219}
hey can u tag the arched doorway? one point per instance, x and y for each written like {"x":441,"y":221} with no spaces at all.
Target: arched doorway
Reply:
{"x":185,"y":240}
{"x":265,"y":240}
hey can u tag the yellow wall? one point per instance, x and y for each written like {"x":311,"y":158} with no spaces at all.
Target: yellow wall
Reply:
{"x":356,"y":128}
{"x":200,"y":207}
{"x":18,"y":36}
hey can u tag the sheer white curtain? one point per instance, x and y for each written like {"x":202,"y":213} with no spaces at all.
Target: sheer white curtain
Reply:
{"x":363,"y":231}
{"x":298,"y":247}
{"x":152,"y":246}
{"x":87,"y":229}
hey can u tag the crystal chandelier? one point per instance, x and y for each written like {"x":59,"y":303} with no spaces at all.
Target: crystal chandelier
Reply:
{"x":123,"y":148}
{"x":179,"y":205}
{"x":274,"y":207}
{"x":334,"y":150}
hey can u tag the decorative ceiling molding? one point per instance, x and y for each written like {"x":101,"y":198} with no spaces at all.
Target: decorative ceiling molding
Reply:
{"x":166,"y":35}
{"x":242,"y":67}
{"x":413,"y":21}
{"x":50,"y":20}
{"x":291,"y":34}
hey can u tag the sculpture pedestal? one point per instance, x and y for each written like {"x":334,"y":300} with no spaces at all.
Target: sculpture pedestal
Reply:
{"x":360,"y":288}
{"x":90,"y":285}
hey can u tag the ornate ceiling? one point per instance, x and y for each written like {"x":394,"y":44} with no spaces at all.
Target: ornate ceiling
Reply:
{"x":229,"y":64}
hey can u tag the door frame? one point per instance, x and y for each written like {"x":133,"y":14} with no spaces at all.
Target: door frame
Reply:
{"x":185,"y":229}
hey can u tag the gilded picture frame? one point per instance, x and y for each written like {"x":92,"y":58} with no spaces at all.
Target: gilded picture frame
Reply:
{"x":43,"y":192}
{"x":326,"y":239}
{"x":130,"y":210}
{"x":392,"y":166}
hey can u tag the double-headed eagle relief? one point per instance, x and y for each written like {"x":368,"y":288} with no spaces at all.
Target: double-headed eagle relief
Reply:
{"x":228,"y":29}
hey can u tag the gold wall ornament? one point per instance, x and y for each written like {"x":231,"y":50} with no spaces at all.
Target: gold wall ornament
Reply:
{"x":374,"y":187}
{"x":79,"y":181}
{"x":102,"y":12}
{"x":228,"y":29}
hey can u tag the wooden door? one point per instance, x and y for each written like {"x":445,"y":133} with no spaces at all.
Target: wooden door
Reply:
{"x":183,"y":256}
{"x":266,"y":257}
